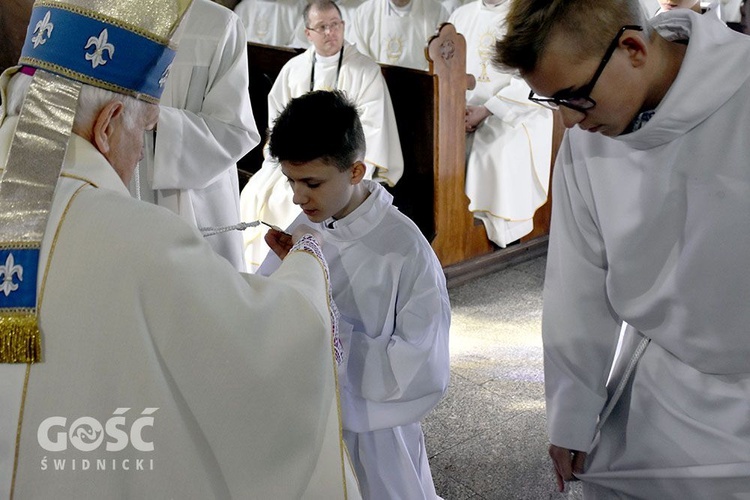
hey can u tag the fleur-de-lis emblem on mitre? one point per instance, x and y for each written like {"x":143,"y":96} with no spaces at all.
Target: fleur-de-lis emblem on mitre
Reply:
{"x":43,"y":27}
{"x":7,"y":272}
{"x":164,"y":76}
{"x":100,"y":45}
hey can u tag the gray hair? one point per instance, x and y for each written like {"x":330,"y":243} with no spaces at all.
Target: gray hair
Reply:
{"x":90,"y":103}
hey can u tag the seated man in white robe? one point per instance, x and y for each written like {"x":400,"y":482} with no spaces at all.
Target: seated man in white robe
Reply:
{"x":389,"y":288}
{"x":509,"y":141}
{"x":396,"y":32}
{"x":650,"y":228}
{"x":330,"y":63}
{"x":271,"y":22}
{"x":134,"y":361}
{"x":205,"y":125}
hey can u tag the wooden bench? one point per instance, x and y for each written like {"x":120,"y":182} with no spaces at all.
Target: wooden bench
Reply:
{"x":429,"y":109}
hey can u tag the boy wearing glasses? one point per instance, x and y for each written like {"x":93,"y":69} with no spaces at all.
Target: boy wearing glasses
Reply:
{"x":329,"y":63}
{"x":389,"y":289}
{"x":650,"y":230}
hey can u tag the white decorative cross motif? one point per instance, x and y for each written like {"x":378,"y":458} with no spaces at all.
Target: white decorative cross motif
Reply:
{"x":7,"y":272}
{"x":100,"y":45}
{"x":42,"y":27}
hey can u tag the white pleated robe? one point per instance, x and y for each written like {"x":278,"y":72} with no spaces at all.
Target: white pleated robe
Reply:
{"x":380,"y":33}
{"x":271,"y":22}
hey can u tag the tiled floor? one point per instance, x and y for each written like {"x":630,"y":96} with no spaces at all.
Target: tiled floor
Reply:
{"x":487,"y":438}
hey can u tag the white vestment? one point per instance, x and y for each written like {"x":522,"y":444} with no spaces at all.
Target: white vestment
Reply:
{"x":652,"y":228}
{"x":271,"y":22}
{"x":509,"y":155}
{"x":267,"y":195}
{"x":397,"y":38}
{"x":217,"y":385}
{"x":395,"y":316}
{"x":205,"y":125}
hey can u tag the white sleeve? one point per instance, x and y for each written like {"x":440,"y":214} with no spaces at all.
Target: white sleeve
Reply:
{"x":512,"y":105}
{"x":579,"y":328}
{"x":413,"y":362}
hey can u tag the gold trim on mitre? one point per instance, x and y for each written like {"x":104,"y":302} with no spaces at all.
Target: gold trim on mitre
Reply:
{"x":155,"y":17}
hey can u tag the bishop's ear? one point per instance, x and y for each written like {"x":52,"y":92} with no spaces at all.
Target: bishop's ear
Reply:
{"x":104,"y":125}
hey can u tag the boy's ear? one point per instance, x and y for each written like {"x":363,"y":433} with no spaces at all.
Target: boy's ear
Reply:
{"x":636,"y":47}
{"x":358,"y":171}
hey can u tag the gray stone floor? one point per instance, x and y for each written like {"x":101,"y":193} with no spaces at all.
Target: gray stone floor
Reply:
{"x":487,"y":437}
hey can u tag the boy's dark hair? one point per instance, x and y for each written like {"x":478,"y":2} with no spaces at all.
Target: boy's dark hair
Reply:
{"x":320,"y":124}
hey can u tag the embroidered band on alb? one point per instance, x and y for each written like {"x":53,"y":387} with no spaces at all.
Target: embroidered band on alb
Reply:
{"x":26,"y":190}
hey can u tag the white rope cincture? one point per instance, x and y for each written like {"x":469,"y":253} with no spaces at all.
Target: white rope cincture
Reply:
{"x":642,"y":344}
{"x":210,"y":231}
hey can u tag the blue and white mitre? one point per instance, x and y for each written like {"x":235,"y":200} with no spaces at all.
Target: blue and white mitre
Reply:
{"x":125,"y":46}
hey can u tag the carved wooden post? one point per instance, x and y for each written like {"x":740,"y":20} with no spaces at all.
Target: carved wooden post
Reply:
{"x":457,"y":238}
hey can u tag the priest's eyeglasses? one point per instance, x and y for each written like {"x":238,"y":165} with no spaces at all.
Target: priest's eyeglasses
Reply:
{"x":580,"y":99}
{"x":332,"y":27}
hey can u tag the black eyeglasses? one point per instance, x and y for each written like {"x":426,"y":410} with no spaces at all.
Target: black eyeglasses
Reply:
{"x":580,"y":100}
{"x":332,"y":27}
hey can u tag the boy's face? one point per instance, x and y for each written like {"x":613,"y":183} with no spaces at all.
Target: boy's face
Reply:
{"x":321,"y":189}
{"x":619,"y":92}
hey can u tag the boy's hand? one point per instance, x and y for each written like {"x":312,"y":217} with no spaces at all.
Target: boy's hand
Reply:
{"x":279,"y":241}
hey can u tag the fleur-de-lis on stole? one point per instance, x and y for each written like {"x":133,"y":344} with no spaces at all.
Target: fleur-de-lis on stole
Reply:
{"x":7,"y":272}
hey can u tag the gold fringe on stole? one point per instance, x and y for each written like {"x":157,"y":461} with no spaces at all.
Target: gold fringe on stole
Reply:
{"x":20,"y":338}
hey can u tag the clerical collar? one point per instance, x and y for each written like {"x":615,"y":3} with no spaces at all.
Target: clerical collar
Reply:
{"x":326,"y":59}
{"x":394,"y":9}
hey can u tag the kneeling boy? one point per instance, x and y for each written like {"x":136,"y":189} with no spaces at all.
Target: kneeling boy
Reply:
{"x":389,"y":288}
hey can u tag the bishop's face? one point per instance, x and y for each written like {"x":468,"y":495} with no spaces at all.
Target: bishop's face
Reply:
{"x":325,"y":30}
